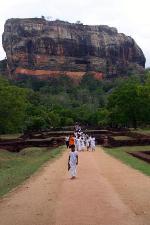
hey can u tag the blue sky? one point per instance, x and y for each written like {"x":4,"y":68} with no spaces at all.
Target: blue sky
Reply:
{"x":128,"y":16}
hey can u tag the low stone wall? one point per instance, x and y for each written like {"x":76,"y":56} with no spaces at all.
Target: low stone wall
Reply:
{"x":141,"y":155}
{"x":133,"y":142}
{"x":48,"y":134}
{"x":48,"y":138}
{"x":18,"y":144}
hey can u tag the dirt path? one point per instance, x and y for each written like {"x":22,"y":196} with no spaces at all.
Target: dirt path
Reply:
{"x":106,"y":192}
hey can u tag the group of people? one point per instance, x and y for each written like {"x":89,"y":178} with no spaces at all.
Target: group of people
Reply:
{"x":81,"y":141}
{"x":78,"y":142}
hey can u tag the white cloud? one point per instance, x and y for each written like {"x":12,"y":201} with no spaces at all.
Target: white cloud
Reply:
{"x":128,"y":16}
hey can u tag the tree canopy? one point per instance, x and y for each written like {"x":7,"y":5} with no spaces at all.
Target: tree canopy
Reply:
{"x":31,"y":104}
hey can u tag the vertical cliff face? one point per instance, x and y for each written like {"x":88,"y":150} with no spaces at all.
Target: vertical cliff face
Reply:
{"x":48,"y":48}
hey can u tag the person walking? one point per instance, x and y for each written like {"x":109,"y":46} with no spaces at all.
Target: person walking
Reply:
{"x":82,"y":142}
{"x":88,"y":142}
{"x":93,"y":143}
{"x":71,"y":140}
{"x":77,"y":143}
{"x":73,"y":162}
{"x":67,"y":141}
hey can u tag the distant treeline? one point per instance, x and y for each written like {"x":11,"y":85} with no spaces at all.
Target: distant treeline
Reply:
{"x":33,"y":104}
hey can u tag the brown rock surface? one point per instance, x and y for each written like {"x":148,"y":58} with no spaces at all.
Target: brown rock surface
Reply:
{"x":43,"y":48}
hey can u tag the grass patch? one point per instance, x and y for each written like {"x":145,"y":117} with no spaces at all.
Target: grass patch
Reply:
{"x":17,"y":167}
{"x":122,"y":138}
{"x":121,"y":154}
{"x":10,"y":136}
{"x":145,"y":131}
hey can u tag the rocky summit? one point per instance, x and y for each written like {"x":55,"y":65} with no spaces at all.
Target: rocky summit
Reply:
{"x":42,"y":48}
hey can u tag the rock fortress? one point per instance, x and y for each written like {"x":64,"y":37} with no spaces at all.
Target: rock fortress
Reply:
{"x":41,"y":48}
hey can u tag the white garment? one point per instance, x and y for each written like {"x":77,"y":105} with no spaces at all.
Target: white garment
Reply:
{"x":73,"y":158}
{"x":75,"y":134}
{"x":67,"y":138}
{"x":88,"y":143}
{"x":93,"y":143}
{"x":77,"y":144}
{"x":73,"y":171}
{"x":82,"y":144}
{"x":73,"y":163}
{"x":75,"y":141}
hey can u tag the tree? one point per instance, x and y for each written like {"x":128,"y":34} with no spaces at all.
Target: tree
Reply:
{"x":129,"y":104}
{"x":103,"y":117}
{"x":53,"y":119}
{"x":13,"y":104}
{"x":78,"y":22}
{"x":35,"y":123}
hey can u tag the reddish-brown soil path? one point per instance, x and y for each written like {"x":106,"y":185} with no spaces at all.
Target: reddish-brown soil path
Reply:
{"x":105,"y":192}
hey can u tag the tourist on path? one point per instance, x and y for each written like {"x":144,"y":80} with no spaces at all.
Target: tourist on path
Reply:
{"x":71,"y":140}
{"x":82,"y":142}
{"x":88,"y":141}
{"x":77,"y":144}
{"x":67,"y":141}
{"x":93,"y":143}
{"x":73,"y":162}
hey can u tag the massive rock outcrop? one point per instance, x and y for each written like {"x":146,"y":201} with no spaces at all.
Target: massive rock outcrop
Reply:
{"x":48,"y":48}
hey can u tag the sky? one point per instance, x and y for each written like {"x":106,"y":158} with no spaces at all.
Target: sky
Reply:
{"x":130,"y":17}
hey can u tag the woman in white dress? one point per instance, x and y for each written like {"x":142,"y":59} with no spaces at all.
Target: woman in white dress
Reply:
{"x":73,"y":162}
{"x":93,"y":143}
{"x":77,"y":144}
{"x":82,"y":144}
{"x":88,"y":143}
